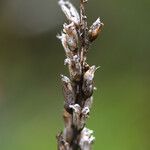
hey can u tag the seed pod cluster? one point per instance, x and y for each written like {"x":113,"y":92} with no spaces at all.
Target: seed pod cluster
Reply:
{"x":76,"y":37}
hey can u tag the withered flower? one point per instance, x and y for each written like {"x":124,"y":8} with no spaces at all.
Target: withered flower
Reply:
{"x":71,"y":36}
{"x":95,"y":29}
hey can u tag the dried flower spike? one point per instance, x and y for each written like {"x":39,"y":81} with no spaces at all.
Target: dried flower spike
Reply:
{"x":76,"y":37}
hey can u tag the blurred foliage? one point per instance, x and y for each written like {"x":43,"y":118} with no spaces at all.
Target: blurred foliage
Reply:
{"x":31,"y":59}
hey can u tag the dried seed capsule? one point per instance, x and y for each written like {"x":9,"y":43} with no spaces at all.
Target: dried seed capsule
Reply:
{"x":70,"y":29}
{"x":87,"y":86}
{"x":68,"y":92}
{"x":95,"y":30}
{"x":71,"y":36}
{"x":70,"y":11}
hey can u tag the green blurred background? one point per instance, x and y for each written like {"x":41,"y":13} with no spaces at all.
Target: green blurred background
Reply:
{"x":31,"y":59}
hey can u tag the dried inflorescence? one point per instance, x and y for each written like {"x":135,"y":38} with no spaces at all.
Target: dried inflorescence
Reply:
{"x":76,"y":38}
